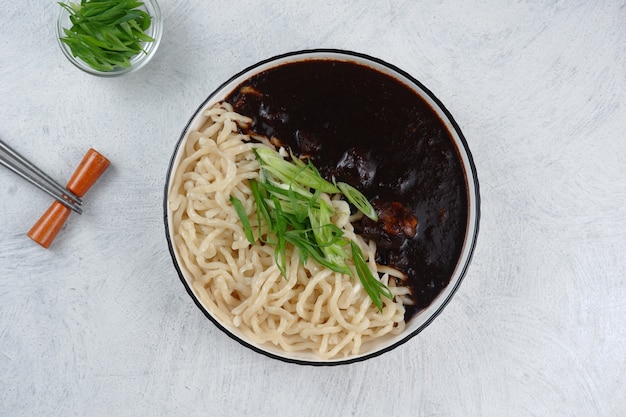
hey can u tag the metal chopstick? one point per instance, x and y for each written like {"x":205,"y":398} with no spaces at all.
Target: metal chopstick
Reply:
{"x":25,"y":169}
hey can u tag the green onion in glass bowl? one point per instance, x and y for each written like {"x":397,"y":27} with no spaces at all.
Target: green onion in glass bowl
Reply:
{"x":109,"y":37}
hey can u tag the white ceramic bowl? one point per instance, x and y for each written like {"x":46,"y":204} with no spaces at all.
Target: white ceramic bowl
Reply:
{"x":138,"y":61}
{"x":421,"y":319}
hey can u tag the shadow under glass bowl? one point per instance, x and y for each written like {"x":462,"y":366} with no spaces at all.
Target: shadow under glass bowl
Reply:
{"x":136,"y":62}
{"x":423,"y":317}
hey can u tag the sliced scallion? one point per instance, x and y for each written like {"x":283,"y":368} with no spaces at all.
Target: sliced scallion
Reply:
{"x":288,"y":202}
{"x":106,"y":34}
{"x":241,"y":212}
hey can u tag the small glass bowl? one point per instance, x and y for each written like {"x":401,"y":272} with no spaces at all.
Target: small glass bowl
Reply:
{"x":138,"y":61}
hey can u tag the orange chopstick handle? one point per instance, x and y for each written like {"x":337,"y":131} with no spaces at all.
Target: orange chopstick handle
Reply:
{"x":48,"y":226}
{"x":92,"y":166}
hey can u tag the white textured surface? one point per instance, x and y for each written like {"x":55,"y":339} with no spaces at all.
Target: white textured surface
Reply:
{"x":99,"y":325}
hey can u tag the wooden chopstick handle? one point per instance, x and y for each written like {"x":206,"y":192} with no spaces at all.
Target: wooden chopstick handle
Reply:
{"x":48,"y":226}
{"x":90,"y":169}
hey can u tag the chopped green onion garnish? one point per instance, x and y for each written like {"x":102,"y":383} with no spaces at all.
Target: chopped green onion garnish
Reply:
{"x":358,"y":200}
{"x":372,"y":285}
{"x":288,"y":202}
{"x":241,"y":212}
{"x":106,"y":34}
{"x":293,"y":173}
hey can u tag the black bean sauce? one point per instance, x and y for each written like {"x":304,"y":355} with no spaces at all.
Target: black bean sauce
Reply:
{"x":371,"y":131}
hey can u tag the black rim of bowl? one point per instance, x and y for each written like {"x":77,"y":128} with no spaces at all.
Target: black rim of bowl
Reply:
{"x":471,"y":175}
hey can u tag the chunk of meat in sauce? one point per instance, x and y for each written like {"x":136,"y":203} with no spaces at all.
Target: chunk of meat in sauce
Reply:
{"x":356,"y":166}
{"x":395,"y":224}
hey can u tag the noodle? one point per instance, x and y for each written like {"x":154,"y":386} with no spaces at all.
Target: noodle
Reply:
{"x":311,"y":308}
